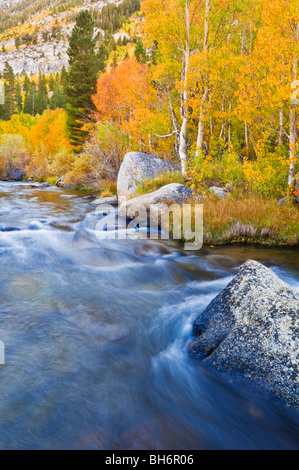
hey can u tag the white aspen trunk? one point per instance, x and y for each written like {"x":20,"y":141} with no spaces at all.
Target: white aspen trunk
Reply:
{"x":253,"y":141}
{"x":201,"y":125}
{"x":292,"y":141}
{"x":150,"y":143}
{"x":183,"y":132}
{"x":281,"y":118}
{"x":222,"y":131}
{"x":293,"y":127}
{"x":229,"y":132}
{"x":175,"y":126}
{"x":246,"y":139}
{"x":211,"y":126}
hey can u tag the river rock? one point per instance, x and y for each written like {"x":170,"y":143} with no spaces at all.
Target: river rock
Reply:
{"x":158,"y":201}
{"x":111,"y":201}
{"x":60,"y":182}
{"x":136,"y":167}
{"x":219,"y":192}
{"x":40,"y":185}
{"x":14,"y":174}
{"x":251,"y":330}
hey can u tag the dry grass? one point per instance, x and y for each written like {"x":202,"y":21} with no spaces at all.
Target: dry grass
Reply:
{"x":250,"y":218}
{"x":109,"y":189}
{"x":151,"y":185}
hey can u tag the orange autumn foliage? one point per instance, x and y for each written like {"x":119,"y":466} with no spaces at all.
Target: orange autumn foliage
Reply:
{"x":122,"y":91}
{"x":127,"y":98}
{"x":50,"y":132}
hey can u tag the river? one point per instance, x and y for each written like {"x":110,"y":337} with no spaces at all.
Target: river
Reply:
{"x":96,"y":336}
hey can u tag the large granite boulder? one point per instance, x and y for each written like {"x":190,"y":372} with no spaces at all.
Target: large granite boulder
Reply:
{"x":251,"y":330}
{"x":137,"y":167}
{"x":159,"y":201}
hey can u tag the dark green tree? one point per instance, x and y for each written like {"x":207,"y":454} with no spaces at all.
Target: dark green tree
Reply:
{"x":102,"y":57}
{"x":41,"y":95}
{"x":81,"y":78}
{"x":30,"y":96}
{"x":19,"y":98}
{"x":140,"y":52}
{"x":114,"y":60}
{"x":63,"y":78}
{"x":57,"y":99}
{"x":10,"y":105}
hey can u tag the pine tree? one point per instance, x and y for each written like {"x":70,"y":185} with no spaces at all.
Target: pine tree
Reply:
{"x":81,"y":78}
{"x":57,"y":99}
{"x":140,"y":52}
{"x":30,"y":97}
{"x":102,"y":57}
{"x":10,"y":105}
{"x":19,"y":98}
{"x":63,"y":78}
{"x":42,"y":95}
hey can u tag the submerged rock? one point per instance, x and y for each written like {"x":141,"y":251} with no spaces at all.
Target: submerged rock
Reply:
{"x":40,"y":185}
{"x":251,"y":330}
{"x":137,"y":167}
{"x":111,"y":200}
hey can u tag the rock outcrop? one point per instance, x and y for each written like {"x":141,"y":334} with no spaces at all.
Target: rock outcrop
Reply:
{"x":251,"y":330}
{"x":137,"y":167}
{"x":159,"y":201}
{"x":46,"y":55}
{"x":15,"y":174}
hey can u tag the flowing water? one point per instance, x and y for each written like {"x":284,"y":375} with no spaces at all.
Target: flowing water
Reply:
{"x":96,"y":336}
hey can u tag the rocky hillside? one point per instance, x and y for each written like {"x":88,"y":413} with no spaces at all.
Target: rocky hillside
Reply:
{"x":34,"y":33}
{"x":8,"y":3}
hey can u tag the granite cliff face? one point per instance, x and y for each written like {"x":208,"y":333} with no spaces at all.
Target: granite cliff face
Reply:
{"x":8,"y":3}
{"x":49,"y":54}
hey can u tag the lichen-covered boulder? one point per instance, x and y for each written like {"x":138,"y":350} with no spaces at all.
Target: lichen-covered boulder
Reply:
{"x":251,"y":330}
{"x":137,"y":167}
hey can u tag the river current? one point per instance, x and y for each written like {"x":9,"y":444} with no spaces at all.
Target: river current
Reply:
{"x":96,"y":336}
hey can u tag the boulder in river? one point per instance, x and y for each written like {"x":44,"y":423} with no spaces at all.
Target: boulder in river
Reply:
{"x":60,"y":182}
{"x":251,"y":330}
{"x":158,"y":201}
{"x":137,"y":167}
{"x":110,"y":200}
